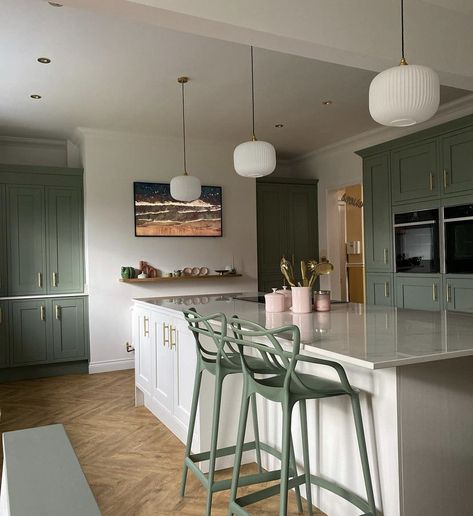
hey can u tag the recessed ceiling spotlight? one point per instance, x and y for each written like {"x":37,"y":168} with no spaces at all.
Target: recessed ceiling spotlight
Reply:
{"x":55,"y":4}
{"x":44,"y":60}
{"x":35,"y":97}
{"x":327,"y":102}
{"x":278,"y":126}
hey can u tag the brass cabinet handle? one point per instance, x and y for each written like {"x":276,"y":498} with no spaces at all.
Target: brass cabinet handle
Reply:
{"x":431,"y":181}
{"x":445,"y":178}
{"x":42,"y":313}
{"x":172,"y":332}
{"x":40,"y":279}
{"x":57,"y":309}
{"x":54,"y":279}
{"x":434,"y":292}
{"x":165,"y":339}
{"x":449,"y":293}
{"x":145,"y":326}
{"x":386,"y":289}
{"x":386,"y":255}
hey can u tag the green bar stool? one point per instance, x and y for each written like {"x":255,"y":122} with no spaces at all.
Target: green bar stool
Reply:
{"x":289,"y":387}
{"x":221,"y":363}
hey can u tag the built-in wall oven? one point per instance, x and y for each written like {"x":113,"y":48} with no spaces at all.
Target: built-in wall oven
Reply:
{"x":416,"y":237}
{"x":459,"y":239}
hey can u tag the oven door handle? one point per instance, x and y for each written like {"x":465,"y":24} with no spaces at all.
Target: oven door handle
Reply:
{"x":458,"y":219}
{"x":410,"y":224}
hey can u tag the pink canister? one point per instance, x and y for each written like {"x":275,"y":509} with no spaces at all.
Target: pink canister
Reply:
{"x":322,"y":301}
{"x":275,"y":302}
{"x":287,"y":295}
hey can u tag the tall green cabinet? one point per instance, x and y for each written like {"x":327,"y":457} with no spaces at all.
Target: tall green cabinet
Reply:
{"x":42,"y":254}
{"x":429,"y":169}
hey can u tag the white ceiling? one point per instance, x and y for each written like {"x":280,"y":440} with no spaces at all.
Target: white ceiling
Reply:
{"x":110,"y":73}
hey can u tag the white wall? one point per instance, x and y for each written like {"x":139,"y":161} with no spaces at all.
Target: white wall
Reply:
{"x":33,"y":151}
{"x":112,"y":161}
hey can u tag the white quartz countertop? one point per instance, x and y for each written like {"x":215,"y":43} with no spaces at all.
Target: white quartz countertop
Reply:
{"x":372,"y":337}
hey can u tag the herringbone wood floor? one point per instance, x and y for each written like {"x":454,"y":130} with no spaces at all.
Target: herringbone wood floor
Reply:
{"x":132,"y":461}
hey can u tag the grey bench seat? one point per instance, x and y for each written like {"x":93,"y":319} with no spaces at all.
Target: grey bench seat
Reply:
{"x":42,"y":475}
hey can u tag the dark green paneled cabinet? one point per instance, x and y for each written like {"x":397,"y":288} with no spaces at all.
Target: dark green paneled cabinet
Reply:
{"x":64,"y":234}
{"x":419,"y":293}
{"x":459,"y":294}
{"x":377,"y":213}
{"x":414,"y":172}
{"x":4,"y":341}
{"x":379,"y":289}
{"x":457,"y":162}
{"x":30,"y":331}
{"x":3,"y":242}
{"x":69,"y":325}
{"x":26,"y":240}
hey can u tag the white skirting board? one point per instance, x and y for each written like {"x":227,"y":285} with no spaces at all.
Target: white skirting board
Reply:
{"x":105,"y":366}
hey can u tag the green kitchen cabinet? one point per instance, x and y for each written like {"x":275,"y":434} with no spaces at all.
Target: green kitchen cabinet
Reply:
{"x":26,"y":240}
{"x":377,"y":213}
{"x":414,"y":172}
{"x":419,"y":292}
{"x":457,"y":162}
{"x":69,"y":329}
{"x":30,"y":331}
{"x":4,"y":341}
{"x":459,"y":294}
{"x":3,"y":242}
{"x":64,"y":239}
{"x":379,"y":289}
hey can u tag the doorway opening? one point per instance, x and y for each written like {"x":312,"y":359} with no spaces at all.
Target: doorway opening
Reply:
{"x":345,"y":243}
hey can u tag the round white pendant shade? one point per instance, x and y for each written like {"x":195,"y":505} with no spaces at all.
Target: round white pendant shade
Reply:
{"x":254,"y":159}
{"x":185,"y":188}
{"x":404,"y":95}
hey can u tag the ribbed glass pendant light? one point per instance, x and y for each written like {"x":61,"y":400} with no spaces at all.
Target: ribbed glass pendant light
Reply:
{"x":185,"y":187}
{"x":254,"y":158}
{"x":406,"y":94}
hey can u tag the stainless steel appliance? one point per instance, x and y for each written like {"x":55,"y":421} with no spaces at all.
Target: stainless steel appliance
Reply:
{"x":459,"y":239}
{"x":417,"y":241}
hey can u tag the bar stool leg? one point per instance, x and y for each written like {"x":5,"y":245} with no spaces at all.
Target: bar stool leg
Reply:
{"x":305,"y":454}
{"x":214,"y":438}
{"x":254,"y":412}
{"x":190,"y":432}
{"x":293,"y":473}
{"x":285,"y":456}
{"x":360,"y":435}
{"x":245,"y":401}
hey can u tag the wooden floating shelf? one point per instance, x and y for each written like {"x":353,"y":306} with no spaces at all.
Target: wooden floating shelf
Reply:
{"x":179,"y":278}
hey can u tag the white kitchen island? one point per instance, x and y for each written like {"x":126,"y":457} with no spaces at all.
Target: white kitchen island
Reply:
{"x":415,"y":371}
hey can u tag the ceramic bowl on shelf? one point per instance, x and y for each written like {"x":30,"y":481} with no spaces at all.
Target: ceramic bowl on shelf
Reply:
{"x":187,"y":271}
{"x":195,"y":271}
{"x":204,"y":271}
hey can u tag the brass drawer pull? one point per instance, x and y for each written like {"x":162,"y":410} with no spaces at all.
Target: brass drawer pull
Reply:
{"x":434,"y":292}
{"x":431,"y":181}
{"x":40,"y":280}
{"x":386,"y":289}
{"x":173,"y":341}
{"x":445,"y":178}
{"x":449,"y":293}
{"x":165,"y":339}
{"x":145,"y":326}
{"x":57,"y":309}
{"x":54,"y":279}
{"x":42,"y":313}
{"x":386,"y":255}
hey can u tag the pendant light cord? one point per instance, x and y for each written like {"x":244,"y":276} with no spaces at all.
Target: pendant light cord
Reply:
{"x":403,"y":58}
{"x":252,"y":93}
{"x":184,"y":129}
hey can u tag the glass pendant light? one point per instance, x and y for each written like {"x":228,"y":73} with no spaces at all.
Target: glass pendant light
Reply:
{"x":254,"y":158}
{"x":406,"y":94}
{"x":185,"y":187}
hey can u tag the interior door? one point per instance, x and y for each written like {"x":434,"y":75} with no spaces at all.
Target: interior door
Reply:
{"x":287,"y":226}
{"x":27,"y":249}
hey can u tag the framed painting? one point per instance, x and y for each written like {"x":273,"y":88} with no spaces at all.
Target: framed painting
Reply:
{"x":157,"y":214}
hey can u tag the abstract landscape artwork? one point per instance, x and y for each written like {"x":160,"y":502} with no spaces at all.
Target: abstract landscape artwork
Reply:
{"x":158,"y":214}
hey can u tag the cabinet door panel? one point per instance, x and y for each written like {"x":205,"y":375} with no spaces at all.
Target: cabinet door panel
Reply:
{"x":69,"y":339}
{"x":29,"y":331}
{"x":414,"y":172}
{"x":162,"y":388}
{"x":418,"y":293}
{"x":459,"y":294}
{"x":4,"y":341}
{"x":183,"y":345}
{"x":3,"y":242}
{"x":65,"y":271}
{"x":457,"y":161}
{"x":27,"y":249}
{"x":379,"y":289}
{"x":377,"y":213}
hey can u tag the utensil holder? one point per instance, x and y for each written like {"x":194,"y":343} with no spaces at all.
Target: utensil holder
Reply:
{"x":301,"y":300}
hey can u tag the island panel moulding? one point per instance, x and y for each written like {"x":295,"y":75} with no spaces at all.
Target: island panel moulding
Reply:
{"x":157,"y":214}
